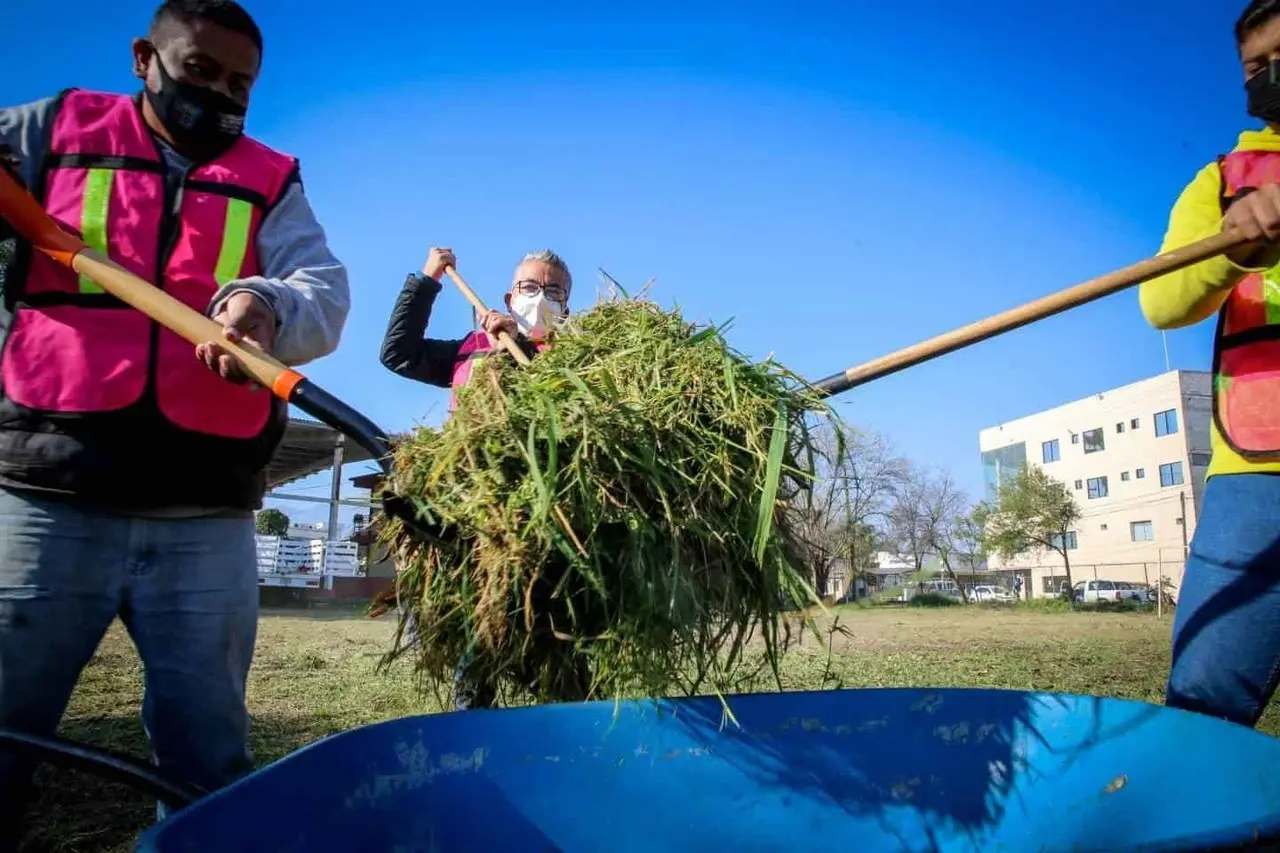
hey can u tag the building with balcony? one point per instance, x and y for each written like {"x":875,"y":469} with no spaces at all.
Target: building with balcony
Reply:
{"x":1135,"y":459}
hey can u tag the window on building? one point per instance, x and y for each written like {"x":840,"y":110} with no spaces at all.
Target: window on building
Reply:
{"x":1120,"y":427}
{"x":1075,"y":438}
{"x":1124,"y":476}
{"x":1135,"y":423}
{"x":1171,"y":474}
{"x":1097,"y":487}
{"x":1093,"y":441}
{"x":1139,"y":473}
{"x":1050,"y":452}
{"x":1079,"y":485}
{"x":999,"y":465}
{"x":1166,"y":422}
{"x":1054,"y":585}
{"x":1199,"y":460}
{"x":1141,"y":531}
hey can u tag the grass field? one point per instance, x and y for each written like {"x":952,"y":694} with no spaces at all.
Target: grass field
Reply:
{"x":314,"y":676}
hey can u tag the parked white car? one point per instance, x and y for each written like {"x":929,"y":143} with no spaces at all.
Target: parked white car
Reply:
{"x":1089,"y":592}
{"x":988,"y":593}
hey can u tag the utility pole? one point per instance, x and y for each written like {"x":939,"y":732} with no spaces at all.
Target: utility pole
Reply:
{"x":1182,"y":504}
{"x":1182,"y":500}
{"x":335,"y":498}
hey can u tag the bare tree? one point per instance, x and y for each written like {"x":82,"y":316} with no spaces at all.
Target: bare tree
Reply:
{"x":908,"y":520}
{"x":925,"y":521}
{"x":874,"y":473}
{"x":857,"y":475}
{"x":818,"y":513}
{"x":942,"y":505}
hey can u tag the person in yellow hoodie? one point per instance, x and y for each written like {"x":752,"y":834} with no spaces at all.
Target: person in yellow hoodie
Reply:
{"x":1226,"y":634}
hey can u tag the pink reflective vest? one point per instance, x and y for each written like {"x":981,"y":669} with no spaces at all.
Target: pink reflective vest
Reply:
{"x":475,"y":346}
{"x":73,"y":351}
{"x":1246,"y":351}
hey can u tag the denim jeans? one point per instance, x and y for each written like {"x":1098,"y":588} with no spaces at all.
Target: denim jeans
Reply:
{"x":186,"y":591}
{"x":1226,"y":632}
{"x":470,"y":691}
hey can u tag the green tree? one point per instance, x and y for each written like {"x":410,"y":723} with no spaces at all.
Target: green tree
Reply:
{"x":1032,"y":513}
{"x":272,"y":522}
{"x":864,"y":541}
{"x":968,"y":543}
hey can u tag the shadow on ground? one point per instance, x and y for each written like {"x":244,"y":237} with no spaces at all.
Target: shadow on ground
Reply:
{"x":75,"y":812}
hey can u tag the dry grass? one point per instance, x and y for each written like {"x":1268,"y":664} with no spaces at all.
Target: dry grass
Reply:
{"x":315,"y":676}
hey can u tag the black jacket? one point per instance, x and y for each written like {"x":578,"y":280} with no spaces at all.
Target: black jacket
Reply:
{"x":407,"y":352}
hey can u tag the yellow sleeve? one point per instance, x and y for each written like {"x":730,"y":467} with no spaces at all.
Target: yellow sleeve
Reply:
{"x":1194,"y":293}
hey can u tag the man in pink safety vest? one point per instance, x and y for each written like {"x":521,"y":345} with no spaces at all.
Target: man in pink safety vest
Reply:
{"x":130,"y":464}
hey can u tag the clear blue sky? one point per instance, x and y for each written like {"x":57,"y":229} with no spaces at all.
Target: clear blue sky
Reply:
{"x":841,"y":180}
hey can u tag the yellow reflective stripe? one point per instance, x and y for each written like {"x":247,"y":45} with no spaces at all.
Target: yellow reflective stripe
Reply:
{"x":94,"y":208}
{"x":235,"y":241}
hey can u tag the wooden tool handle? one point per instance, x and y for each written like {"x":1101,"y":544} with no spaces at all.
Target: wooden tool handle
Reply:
{"x":182,"y":320}
{"x":503,"y":338}
{"x":35,"y":226}
{"x":1046,"y":306}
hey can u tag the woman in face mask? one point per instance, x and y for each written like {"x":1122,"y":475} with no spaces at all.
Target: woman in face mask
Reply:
{"x":537,"y":300}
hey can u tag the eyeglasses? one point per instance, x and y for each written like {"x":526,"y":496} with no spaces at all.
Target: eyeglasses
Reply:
{"x":554,"y":290}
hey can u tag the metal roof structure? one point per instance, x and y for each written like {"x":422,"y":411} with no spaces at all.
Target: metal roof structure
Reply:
{"x":308,"y":449}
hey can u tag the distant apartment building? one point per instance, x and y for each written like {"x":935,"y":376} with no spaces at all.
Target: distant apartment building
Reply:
{"x":1135,"y":458}
{"x":317,"y":530}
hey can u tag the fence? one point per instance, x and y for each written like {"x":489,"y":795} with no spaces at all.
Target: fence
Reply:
{"x":1049,"y":580}
{"x":301,"y":562}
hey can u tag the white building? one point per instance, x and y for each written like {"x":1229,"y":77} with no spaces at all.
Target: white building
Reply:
{"x":1135,"y":458}
{"x":317,"y":530}
{"x":886,"y":571}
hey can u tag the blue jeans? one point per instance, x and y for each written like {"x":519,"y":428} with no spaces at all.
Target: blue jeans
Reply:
{"x":1226,"y":633}
{"x":186,"y":591}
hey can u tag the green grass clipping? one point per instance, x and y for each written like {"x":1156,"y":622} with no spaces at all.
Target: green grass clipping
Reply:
{"x":627,"y":500}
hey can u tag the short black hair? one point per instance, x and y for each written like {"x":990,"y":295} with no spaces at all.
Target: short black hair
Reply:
{"x":1256,"y":14}
{"x":224,"y":13}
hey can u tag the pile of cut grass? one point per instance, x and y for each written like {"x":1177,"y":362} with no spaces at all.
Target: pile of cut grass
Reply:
{"x":625,"y":501}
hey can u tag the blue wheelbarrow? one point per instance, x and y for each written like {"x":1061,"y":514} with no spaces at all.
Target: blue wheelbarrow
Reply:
{"x":866,"y":770}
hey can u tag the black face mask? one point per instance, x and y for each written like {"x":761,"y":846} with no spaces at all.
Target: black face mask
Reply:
{"x":201,"y":121}
{"x":1263,"y":90}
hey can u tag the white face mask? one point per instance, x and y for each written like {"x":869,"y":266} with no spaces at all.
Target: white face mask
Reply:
{"x":536,"y":315}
